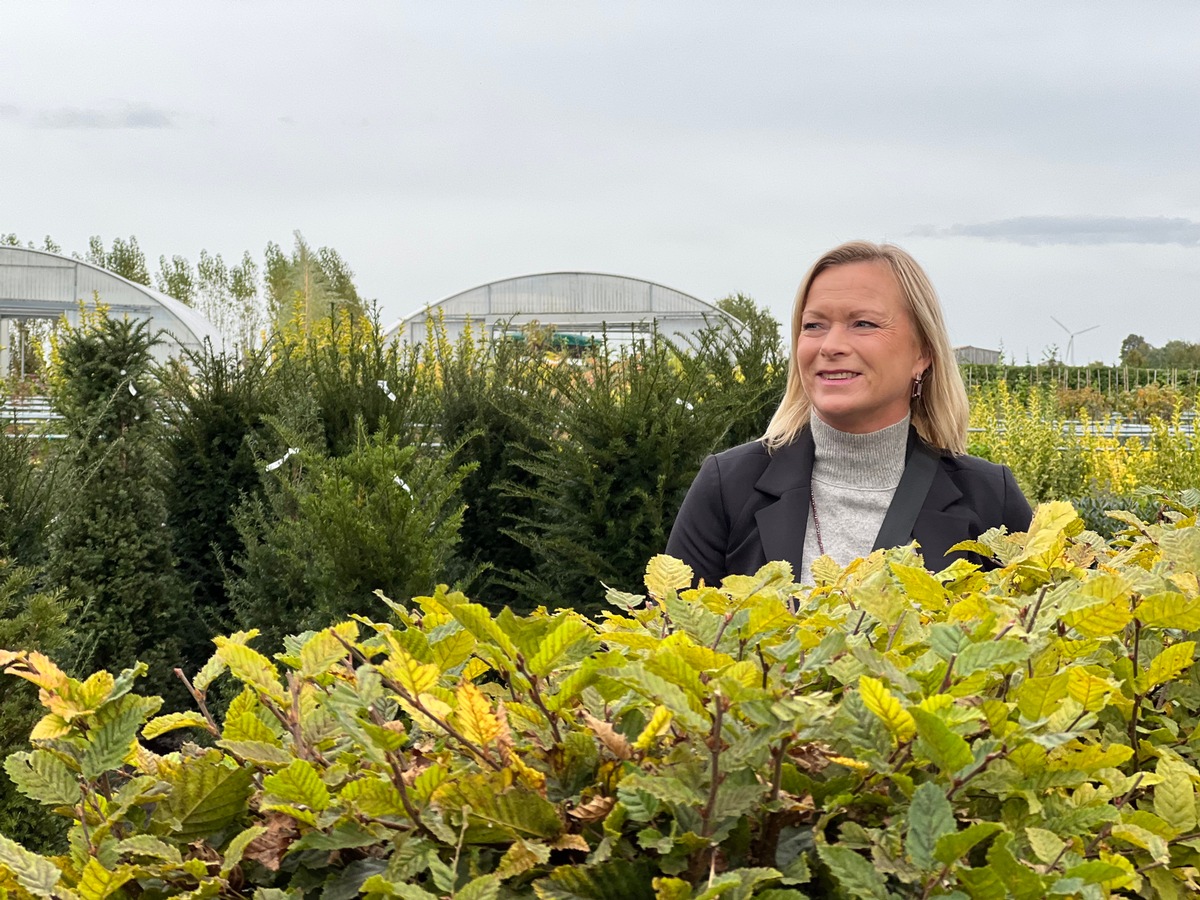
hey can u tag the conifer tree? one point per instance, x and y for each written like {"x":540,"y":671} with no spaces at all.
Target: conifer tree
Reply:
{"x":111,"y":550}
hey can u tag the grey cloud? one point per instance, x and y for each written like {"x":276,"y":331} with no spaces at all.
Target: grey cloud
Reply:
{"x":130,"y":116}
{"x":1042,"y":230}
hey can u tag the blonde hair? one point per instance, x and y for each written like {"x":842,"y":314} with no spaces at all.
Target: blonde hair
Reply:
{"x":940,"y":414}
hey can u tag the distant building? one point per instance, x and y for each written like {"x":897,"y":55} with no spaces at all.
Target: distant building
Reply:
{"x":36,"y":284}
{"x":977,"y":356}
{"x":579,"y":303}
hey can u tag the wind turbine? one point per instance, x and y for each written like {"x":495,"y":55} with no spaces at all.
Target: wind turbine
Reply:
{"x":1071,"y":335}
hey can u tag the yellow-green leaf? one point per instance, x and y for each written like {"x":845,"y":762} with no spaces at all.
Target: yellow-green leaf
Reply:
{"x":323,"y":650}
{"x":1174,"y":796}
{"x":1167,"y":665}
{"x":879,"y":700}
{"x":659,"y":722}
{"x":1088,"y":690}
{"x":171,"y":721}
{"x":299,"y":783}
{"x":1037,"y":697}
{"x":1045,"y":532}
{"x":1100,"y":619}
{"x":920,"y":586}
{"x":453,"y":650}
{"x":556,"y":646}
{"x":949,"y":751}
{"x":665,"y":574}
{"x":97,"y":882}
{"x":474,"y":715}
{"x":407,"y":671}
{"x":252,"y":668}
{"x":1169,"y":610}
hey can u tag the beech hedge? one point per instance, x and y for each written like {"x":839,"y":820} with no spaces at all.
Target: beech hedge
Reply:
{"x":1024,"y":731}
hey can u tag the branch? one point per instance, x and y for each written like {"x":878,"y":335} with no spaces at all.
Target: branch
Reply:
{"x":416,"y":703}
{"x":537,"y":698}
{"x":200,"y":697}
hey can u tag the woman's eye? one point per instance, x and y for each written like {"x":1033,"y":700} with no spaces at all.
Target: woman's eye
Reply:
{"x":863,"y":323}
{"x":810,"y":326}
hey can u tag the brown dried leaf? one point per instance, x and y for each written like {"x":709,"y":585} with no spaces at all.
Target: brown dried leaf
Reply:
{"x":612,"y":739}
{"x":270,"y":847}
{"x":570,"y":842}
{"x":811,"y":757}
{"x":594,"y":810}
{"x":504,"y":740}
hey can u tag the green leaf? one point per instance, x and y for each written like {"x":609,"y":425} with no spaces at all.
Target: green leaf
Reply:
{"x":947,"y":640}
{"x":44,"y":777}
{"x":951,"y":848}
{"x":251,"y":668}
{"x":117,"y":726}
{"x":1021,"y":882}
{"x":853,"y":872}
{"x":323,"y":650}
{"x":617,"y":879}
{"x":97,"y":882}
{"x":209,"y":672}
{"x":298,"y":783}
{"x":237,"y":847}
{"x":1169,"y":610}
{"x":930,"y":816}
{"x":206,"y":796}
{"x":257,"y":752}
{"x":379,"y":886}
{"x":485,"y":887}
{"x":659,"y":690}
{"x":1046,"y":845}
{"x":34,"y":873}
{"x":1167,"y":665}
{"x":990,"y":655}
{"x":983,"y":883}
{"x":1174,"y":797}
{"x":556,"y":646}
{"x":1038,"y":697}
{"x":150,"y":846}
{"x":477,"y":620}
{"x":162,"y":724}
{"x":1095,"y":871}
{"x":936,"y":741}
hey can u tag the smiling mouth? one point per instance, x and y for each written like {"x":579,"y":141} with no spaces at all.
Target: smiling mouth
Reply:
{"x":836,"y":376}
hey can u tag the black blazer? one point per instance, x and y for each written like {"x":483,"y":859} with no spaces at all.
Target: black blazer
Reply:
{"x":748,"y":506}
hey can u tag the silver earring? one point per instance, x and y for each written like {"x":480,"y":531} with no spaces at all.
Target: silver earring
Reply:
{"x":918,"y":385}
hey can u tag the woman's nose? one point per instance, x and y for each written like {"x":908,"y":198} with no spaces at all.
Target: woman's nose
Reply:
{"x":834,"y":342}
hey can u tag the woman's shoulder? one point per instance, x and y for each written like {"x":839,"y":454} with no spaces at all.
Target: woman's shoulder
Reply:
{"x":973,"y":465}
{"x":749,"y":450}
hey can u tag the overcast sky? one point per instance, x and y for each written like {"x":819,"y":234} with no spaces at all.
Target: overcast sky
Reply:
{"x":1040,"y":159}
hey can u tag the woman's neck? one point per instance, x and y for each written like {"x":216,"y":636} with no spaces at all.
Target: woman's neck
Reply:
{"x":872,"y":460}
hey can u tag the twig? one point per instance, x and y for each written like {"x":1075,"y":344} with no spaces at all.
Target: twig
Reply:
{"x":949,"y":672}
{"x":404,"y":694}
{"x":959,"y":783}
{"x":537,"y":698}
{"x":721,"y":631}
{"x":200,"y":697}
{"x":715,"y":753}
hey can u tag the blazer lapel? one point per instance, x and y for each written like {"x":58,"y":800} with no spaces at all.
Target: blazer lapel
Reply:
{"x":940,"y":525}
{"x":782,"y":524}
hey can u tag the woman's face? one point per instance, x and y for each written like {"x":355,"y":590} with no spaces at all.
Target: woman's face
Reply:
{"x":858,"y":351}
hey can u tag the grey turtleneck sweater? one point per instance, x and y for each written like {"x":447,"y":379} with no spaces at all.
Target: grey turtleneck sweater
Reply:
{"x":853,"y":481}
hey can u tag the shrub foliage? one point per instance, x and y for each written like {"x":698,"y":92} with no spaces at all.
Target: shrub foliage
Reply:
{"x":1026,"y":731}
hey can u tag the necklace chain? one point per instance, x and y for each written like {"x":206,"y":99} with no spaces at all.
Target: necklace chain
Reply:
{"x":812,"y":504}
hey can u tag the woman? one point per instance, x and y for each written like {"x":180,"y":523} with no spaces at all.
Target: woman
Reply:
{"x":868,"y":446}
